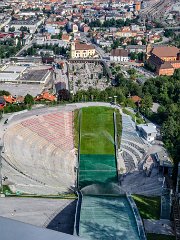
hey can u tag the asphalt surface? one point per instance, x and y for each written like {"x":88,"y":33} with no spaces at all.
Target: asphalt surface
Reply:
{"x":48,"y":213}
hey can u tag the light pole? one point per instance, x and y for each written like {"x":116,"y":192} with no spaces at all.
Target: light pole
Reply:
{"x":110,"y":99}
{"x":115,"y":97}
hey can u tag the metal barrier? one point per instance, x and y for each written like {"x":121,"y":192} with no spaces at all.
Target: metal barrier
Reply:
{"x":77,"y":213}
{"x":115,"y":141}
{"x":79,"y":148}
{"x":140,"y":226}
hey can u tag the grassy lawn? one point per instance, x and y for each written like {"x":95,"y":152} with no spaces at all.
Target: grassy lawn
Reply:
{"x":149,"y":207}
{"x":97,"y":130}
{"x":152,"y":236}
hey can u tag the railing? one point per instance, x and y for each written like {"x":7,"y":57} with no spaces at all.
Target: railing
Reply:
{"x":77,"y":213}
{"x":165,"y":201}
{"x":115,"y":142}
{"x":140,"y":226}
{"x":79,"y":148}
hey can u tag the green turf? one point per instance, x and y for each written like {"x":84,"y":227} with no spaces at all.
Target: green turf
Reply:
{"x":152,"y":236}
{"x":149,"y":207}
{"x":97,"y":162}
{"x":97,"y":168}
{"x":97,"y":130}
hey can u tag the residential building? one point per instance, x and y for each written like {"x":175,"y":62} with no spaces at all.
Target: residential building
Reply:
{"x":136,"y":48}
{"x":119,"y":55}
{"x":46,"y":96}
{"x":9,"y":99}
{"x":66,"y":37}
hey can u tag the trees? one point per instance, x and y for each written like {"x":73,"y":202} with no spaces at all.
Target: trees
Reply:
{"x":63,"y":95}
{"x":133,"y":56}
{"x":146,"y":104}
{"x":168,"y":33}
{"x":140,"y":56}
{"x":176,"y":74}
{"x":95,"y":23}
{"x":23,"y":29}
{"x":11,"y":29}
{"x":165,"y":90}
{"x":116,"y":44}
{"x":118,"y":79}
{"x":57,"y":36}
{"x":111,"y":23}
{"x":3,"y":92}
{"x":28,"y":99}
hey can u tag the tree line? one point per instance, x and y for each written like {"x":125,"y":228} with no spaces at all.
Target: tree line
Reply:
{"x":112,"y":23}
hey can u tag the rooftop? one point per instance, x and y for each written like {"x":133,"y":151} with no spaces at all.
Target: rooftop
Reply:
{"x":14,"y":68}
{"x":135,"y":99}
{"x":119,"y":52}
{"x":163,"y":158}
{"x":165,"y":51}
{"x":148,"y":128}
{"x":84,"y":46}
{"x":4,"y":76}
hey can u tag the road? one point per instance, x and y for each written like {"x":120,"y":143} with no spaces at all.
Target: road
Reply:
{"x":24,"y":48}
{"x":101,"y":52}
{"x":61,"y":76}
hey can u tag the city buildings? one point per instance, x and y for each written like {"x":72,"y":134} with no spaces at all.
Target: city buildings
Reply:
{"x":164,"y":59}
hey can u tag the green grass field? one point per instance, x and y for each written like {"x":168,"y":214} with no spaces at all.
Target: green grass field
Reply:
{"x":149,"y":207}
{"x":97,"y":130}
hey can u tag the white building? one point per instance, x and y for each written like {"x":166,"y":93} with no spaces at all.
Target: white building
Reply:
{"x":119,"y":55}
{"x":148,"y":131}
{"x":44,"y":41}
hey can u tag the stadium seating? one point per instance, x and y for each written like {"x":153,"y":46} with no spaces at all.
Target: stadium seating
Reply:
{"x":41,"y":149}
{"x":138,"y":183}
{"x":133,"y":147}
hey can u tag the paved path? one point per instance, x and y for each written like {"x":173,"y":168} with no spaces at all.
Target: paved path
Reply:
{"x":56,"y":214}
{"x":162,"y":226}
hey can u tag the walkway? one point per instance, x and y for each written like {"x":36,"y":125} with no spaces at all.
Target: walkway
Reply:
{"x":162,"y":226}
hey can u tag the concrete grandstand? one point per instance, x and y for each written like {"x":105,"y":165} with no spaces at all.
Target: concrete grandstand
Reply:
{"x":40,"y":151}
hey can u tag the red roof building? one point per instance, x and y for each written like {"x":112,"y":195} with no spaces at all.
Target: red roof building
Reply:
{"x":46,"y":96}
{"x":164,"y":59}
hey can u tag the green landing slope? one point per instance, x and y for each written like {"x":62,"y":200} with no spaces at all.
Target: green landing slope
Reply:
{"x":97,"y":152}
{"x":97,"y":131}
